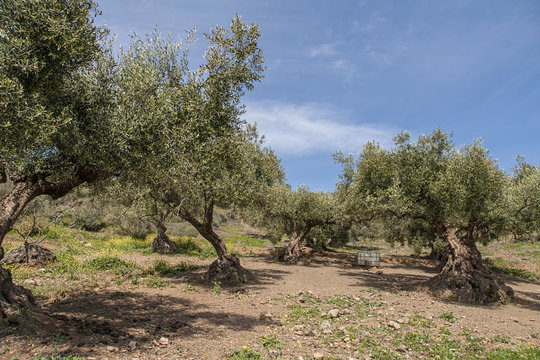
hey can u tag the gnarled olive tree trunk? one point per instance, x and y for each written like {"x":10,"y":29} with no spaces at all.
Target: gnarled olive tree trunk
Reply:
{"x":14,"y":298}
{"x":162,"y":244}
{"x":226,"y":269}
{"x":292,"y":253}
{"x":464,"y":277}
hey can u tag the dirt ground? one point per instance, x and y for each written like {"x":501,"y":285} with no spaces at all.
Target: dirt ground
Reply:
{"x":188,"y":319}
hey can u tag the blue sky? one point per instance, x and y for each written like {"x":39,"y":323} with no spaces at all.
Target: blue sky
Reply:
{"x":341,"y":73}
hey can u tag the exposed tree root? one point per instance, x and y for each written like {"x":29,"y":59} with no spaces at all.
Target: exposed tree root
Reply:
{"x":228,"y":271}
{"x":14,"y":300}
{"x":163,"y":245}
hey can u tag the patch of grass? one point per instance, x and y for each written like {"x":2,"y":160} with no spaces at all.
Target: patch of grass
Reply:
{"x":270,"y":342}
{"x":187,"y":245}
{"x":526,"y":353}
{"x":217,"y":288}
{"x":163,"y":268}
{"x":155,"y":282}
{"x":126,"y":243}
{"x":112,"y":264}
{"x":503,"y":266}
{"x":244,"y":354}
{"x":449,"y":317}
{"x":207,"y":252}
{"x":57,"y":356}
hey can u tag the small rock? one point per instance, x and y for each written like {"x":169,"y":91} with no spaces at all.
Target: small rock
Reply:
{"x":112,"y":348}
{"x":323,"y":314}
{"x":394,"y":325}
{"x":325,"y":324}
{"x":164,"y":341}
{"x":297,"y":327}
{"x":334,"y":313}
{"x":327,"y":331}
{"x":300,"y":358}
{"x":266,"y":316}
{"x":379,"y":272}
{"x":132,"y":345}
{"x":401,"y":348}
{"x":88,"y":245}
{"x":344,"y":311}
{"x":302,"y":300}
{"x":317,"y":355}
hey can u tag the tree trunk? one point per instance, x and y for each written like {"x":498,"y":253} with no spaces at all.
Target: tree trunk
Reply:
{"x":292,"y":253}
{"x":226,"y":269}
{"x":162,"y":244}
{"x":464,"y":277}
{"x":15,"y":298}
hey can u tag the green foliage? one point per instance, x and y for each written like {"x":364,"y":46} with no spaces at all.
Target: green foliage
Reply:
{"x":217,"y":288}
{"x":163,"y":268}
{"x":155,"y":282}
{"x":502,"y":266}
{"x":244,"y":354}
{"x":523,"y":201}
{"x":526,"y":353}
{"x":111,"y":263}
{"x":419,"y":192}
{"x":270,"y":342}
{"x":449,"y":317}
{"x":57,"y":356}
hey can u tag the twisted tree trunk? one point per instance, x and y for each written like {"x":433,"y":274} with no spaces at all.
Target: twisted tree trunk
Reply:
{"x":292,"y":253}
{"x":14,"y":298}
{"x":162,"y":244}
{"x":226,"y":269}
{"x":464,"y":277}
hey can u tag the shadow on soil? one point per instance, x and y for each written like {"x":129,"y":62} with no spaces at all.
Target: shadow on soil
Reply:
{"x":87,"y":322}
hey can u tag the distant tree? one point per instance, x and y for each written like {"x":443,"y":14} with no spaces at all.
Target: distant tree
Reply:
{"x":523,"y":201}
{"x":296,"y":213}
{"x":431,"y":191}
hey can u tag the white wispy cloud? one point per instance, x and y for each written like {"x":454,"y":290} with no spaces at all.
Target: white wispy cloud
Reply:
{"x":300,"y":130}
{"x":323,"y":50}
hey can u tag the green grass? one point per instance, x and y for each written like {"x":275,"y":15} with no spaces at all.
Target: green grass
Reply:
{"x":505,"y":267}
{"x":112,"y":264}
{"x":270,"y":342}
{"x":244,"y":354}
{"x":163,"y":268}
{"x":57,"y":356}
{"x":449,"y":317}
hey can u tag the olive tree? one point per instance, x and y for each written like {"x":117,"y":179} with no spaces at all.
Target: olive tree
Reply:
{"x":431,"y":191}
{"x":57,"y":127}
{"x":523,"y":201}
{"x":296,"y":213}
{"x":213,"y":158}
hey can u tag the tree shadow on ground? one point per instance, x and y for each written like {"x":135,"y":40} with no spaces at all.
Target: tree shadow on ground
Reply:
{"x":87,"y":322}
{"x":262,"y":277}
